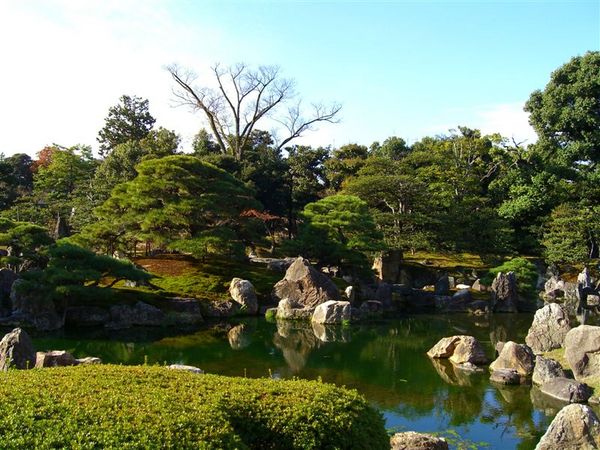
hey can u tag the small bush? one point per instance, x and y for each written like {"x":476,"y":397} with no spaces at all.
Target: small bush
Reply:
{"x":525,"y":271}
{"x":92,"y":407}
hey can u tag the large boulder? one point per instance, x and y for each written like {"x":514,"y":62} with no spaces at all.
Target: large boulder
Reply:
{"x":387,"y":266}
{"x":546,"y":369}
{"x":32,"y":307}
{"x":54,"y":358}
{"x":575,"y":427}
{"x":582,"y":351}
{"x":86,"y":316}
{"x":287,"y":311}
{"x":566,"y":390}
{"x":242,"y":292}
{"x":16,"y":350}
{"x":332,"y":312}
{"x":410,"y":440}
{"x":515,"y":356}
{"x":383,"y":294}
{"x":459,"y":349}
{"x":504,"y":293}
{"x":304,"y":286}
{"x":549,"y":328}
{"x":143,"y":314}
{"x":442,"y":285}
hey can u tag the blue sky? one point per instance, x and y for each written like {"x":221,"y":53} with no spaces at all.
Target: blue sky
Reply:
{"x":398,"y":68}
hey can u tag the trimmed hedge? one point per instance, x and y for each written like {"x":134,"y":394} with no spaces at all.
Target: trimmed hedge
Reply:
{"x":134,"y":407}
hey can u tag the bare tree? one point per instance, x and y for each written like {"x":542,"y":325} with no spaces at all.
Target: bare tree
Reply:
{"x":243,"y":96}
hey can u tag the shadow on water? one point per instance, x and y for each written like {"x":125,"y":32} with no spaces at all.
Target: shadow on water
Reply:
{"x":385,"y":361}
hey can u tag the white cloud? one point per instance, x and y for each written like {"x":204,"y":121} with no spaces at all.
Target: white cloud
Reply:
{"x":69,"y":61}
{"x":509,"y":120}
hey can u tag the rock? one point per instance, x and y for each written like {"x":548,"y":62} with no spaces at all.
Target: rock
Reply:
{"x":566,"y":390}
{"x":584,"y":278}
{"x":477,"y":286}
{"x":549,"y":328}
{"x":54,"y":358}
{"x":305,"y":286}
{"x":582,"y":351}
{"x":221,"y":309}
{"x":86,"y":316}
{"x":143,"y":314}
{"x":7,"y":278}
{"x":462,"y":286}
{"x":371,"y":307}
{"x":350,"y":293}
{"x":462,"y":296}
{"x":409,"y":440}
{"x":280,"y":265}
{"x":183,"y":311}
{"x":504,"y":293}
{"x":89,"y":361}
{"x":505,"y":376}
{"x":286,"y":310}
{"x":33,"y":308}
{"x":554,"y":287}
{"x":242,"y":292}
{"x":546,"y":369}
{"x":498,"y":347}
{"x":191,"y":369}
{"x":16,"y":350}
{"x":442,"y":286}
{"x":459,"y":349}
{"x":332,"y":312}
{"x":387,"y":266}
{"x":384,"y":294}
{"x":515,"y":356}
{"x":575,"y":427}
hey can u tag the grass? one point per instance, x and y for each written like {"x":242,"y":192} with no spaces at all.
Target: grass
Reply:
{"x":558,"y":354}
{"x":178,"y":275}
{"x":139,"y":407}
{"x":450,"y":261}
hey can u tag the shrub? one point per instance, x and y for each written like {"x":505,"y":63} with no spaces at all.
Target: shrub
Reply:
{"x":152,"y":407}
{"x":525,"y":271}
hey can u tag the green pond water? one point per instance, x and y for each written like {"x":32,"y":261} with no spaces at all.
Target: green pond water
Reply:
{"x":385,"y":361}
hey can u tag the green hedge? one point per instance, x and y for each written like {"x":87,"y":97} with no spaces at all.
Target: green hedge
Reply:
{"x":134,"y":407}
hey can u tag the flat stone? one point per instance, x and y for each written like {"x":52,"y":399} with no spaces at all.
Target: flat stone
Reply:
{"x":54,"y":358}
{"x":410,"y":440}
{"x":566,"y":390}
{"x":191,"y":369}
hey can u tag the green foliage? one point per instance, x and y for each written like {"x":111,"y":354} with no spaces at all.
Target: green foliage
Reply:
{"x":338,"y":229}
{"x":74,"y":273}
{"x":525,"y":271}
{"x":16,"y":178}
{"x":130,"y":120}
{"x":28,"y":244}
{"x":152,"y":407}
{"x":172,"y":199}
{"x":119,"y":165}
{"x":220,"y":241}
{"x":571,"y":234}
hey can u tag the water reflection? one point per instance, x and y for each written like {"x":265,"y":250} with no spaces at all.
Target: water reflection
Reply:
{"x":385,"y":361}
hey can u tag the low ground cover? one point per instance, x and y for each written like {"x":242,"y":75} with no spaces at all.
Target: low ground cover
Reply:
{"x":107,"y":406}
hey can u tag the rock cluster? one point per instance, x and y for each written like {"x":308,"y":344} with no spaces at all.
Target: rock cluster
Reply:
{"x":304,"y":286}
{"x":459,"y":349}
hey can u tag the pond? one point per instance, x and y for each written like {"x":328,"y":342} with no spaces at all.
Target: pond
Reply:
{"x":385,"y":361}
